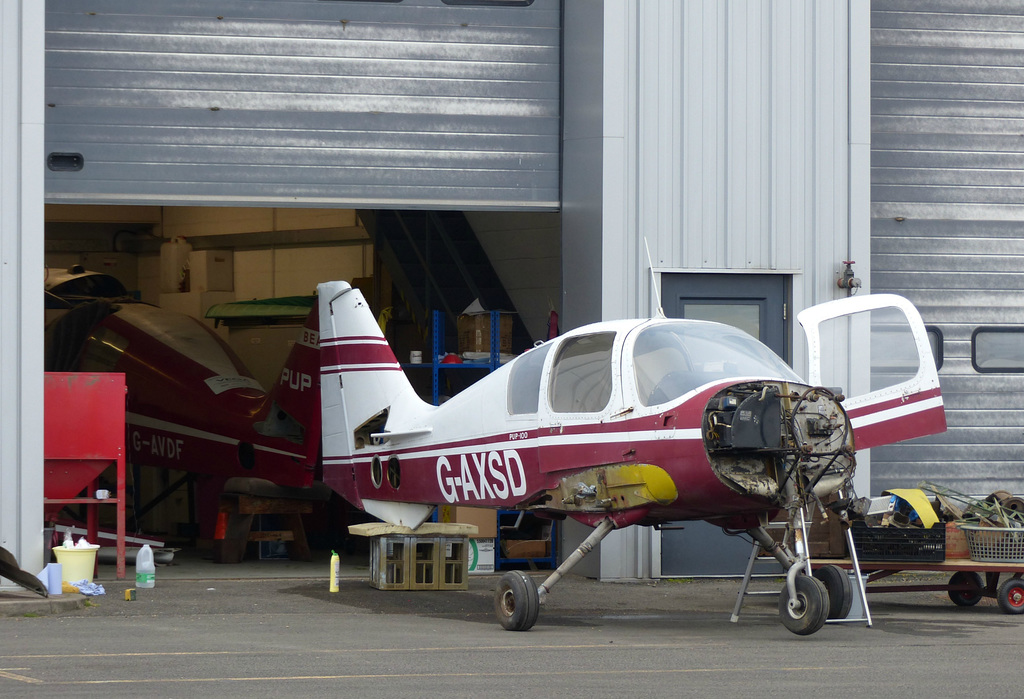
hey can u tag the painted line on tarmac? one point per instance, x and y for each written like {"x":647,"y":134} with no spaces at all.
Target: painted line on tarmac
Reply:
{"x":452,"y":675}
{"x":7,"y":674}
{"x":342,"y":651}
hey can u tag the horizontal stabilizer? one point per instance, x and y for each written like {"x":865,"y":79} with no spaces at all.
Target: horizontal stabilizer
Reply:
{"x":387,"y":436}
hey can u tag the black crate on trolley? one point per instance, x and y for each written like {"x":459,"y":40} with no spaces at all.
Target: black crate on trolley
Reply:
{"x":899,"y":544}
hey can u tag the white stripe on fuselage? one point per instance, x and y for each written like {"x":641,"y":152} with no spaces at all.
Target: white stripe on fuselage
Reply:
{"x":339,"y":341}
{"x":897,"y":412}
{"x":560,"y":440}
{"x":153,"y":423}
{"x":339,"y":368}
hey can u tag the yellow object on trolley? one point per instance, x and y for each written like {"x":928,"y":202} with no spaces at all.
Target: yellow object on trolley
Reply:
{"x":919,"y":501}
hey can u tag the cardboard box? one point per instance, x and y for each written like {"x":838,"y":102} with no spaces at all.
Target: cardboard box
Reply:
{"x":211,"y":270}
{"x":526,"y":548}
{"x":475,"y":333}
{"x":956,"y":542}
{"x":826,"y":538}
{"x":481,"y":556}
{"x":485,"y":519}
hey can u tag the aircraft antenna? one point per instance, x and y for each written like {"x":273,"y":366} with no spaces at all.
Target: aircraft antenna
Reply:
{"x":654,"y":281}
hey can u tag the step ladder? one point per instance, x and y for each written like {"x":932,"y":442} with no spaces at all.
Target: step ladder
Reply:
{"x":861,"y":590}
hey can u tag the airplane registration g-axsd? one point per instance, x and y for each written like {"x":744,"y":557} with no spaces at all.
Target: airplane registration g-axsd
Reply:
{"x":618,"y":423}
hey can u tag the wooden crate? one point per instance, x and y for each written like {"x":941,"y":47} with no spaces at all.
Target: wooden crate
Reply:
{"x":390,"y":562}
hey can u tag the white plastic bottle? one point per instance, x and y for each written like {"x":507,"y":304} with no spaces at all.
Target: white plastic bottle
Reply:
{"x":145,"y":569}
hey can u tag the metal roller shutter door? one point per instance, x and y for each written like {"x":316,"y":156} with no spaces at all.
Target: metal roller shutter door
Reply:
{"x":410,"y":104}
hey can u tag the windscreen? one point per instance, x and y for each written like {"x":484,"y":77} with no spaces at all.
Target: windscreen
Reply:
{"x":672,"y":358}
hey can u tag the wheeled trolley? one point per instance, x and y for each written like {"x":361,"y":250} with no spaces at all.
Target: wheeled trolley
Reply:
{"x":965,"y":587}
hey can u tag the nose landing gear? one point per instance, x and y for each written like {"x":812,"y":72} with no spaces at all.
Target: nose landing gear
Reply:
{"x":805,"y":612}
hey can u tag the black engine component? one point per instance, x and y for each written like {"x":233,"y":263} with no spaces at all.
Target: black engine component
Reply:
{"x":749,"y":422}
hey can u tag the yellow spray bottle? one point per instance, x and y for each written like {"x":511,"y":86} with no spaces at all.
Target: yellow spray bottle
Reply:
{"x":335,"y":571}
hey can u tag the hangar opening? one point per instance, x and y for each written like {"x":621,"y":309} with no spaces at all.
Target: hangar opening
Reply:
{"x":166,"y":269}
{"x":206,"y":158}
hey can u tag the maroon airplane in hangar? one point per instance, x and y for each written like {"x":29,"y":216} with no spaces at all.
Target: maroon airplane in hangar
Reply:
{"x":192,"y":404}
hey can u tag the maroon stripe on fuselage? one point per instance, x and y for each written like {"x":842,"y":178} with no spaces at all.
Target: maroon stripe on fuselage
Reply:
{"x":482,"y":477}
{"x":687,"y":415}
{"x":920,"y":424}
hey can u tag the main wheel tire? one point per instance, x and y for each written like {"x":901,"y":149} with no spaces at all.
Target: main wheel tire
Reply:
{"x":1011,"y":596}
{"x":840,"y":591}
{"x":966,"y":598}
{"x":813,"y":606}
{"x":516,"y":602}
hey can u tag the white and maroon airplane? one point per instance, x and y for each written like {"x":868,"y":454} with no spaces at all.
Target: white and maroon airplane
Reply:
{"x":614,"y":424}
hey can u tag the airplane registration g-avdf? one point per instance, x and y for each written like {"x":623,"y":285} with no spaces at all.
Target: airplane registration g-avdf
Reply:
{"x":619,"y":423}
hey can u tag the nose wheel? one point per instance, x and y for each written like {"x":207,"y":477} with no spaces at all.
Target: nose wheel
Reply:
{"x":840,"y":591}
{"x":808,"y":610}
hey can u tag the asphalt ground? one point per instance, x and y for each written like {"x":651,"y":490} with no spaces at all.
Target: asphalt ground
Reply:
{"x":250,"y":636}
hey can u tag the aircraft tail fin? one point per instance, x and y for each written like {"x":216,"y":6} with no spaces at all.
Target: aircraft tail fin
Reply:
{"x":361,"y":380}
{"x":294,"y":404}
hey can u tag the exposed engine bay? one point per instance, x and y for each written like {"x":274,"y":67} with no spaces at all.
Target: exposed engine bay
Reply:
{"x":777,"y":440}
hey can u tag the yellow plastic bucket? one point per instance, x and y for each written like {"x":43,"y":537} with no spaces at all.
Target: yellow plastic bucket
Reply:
{"x":76,"y":563}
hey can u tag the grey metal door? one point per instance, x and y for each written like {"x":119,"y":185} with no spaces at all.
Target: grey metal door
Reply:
{"x":754,"y":303}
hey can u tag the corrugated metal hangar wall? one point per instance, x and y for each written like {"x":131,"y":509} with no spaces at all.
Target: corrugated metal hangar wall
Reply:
{"x":948,"y":224}
{"x":733,"y":138}
{"x":744,"y":147}
{"x":418,"y":104}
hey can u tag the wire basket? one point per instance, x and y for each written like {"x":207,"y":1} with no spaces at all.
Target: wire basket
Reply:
{"x":995,"y":544}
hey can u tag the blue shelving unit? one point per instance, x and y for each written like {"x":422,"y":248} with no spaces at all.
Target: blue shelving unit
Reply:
{"x":437,"y":351}
{"x":513,"y":518}
{"x":510,"y":517}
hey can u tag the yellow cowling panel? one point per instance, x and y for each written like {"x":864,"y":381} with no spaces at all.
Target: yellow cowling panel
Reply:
{"x":659,"y":486}
{"x":614,"y":488}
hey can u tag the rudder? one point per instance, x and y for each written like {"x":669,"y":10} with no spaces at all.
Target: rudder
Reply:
{"x":296,"y":391}
{"x":362,"y":382}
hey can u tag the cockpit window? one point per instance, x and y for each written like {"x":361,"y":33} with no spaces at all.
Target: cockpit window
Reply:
{"x":524,"y":381}
{"x":581,"y":379}
{"x":90,"y":286}
{"x":670,"y":359}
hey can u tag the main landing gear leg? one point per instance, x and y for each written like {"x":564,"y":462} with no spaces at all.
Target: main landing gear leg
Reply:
{"x":517,"y":601}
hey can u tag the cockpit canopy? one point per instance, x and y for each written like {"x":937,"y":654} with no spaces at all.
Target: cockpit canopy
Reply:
{"x":668,"y":359}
